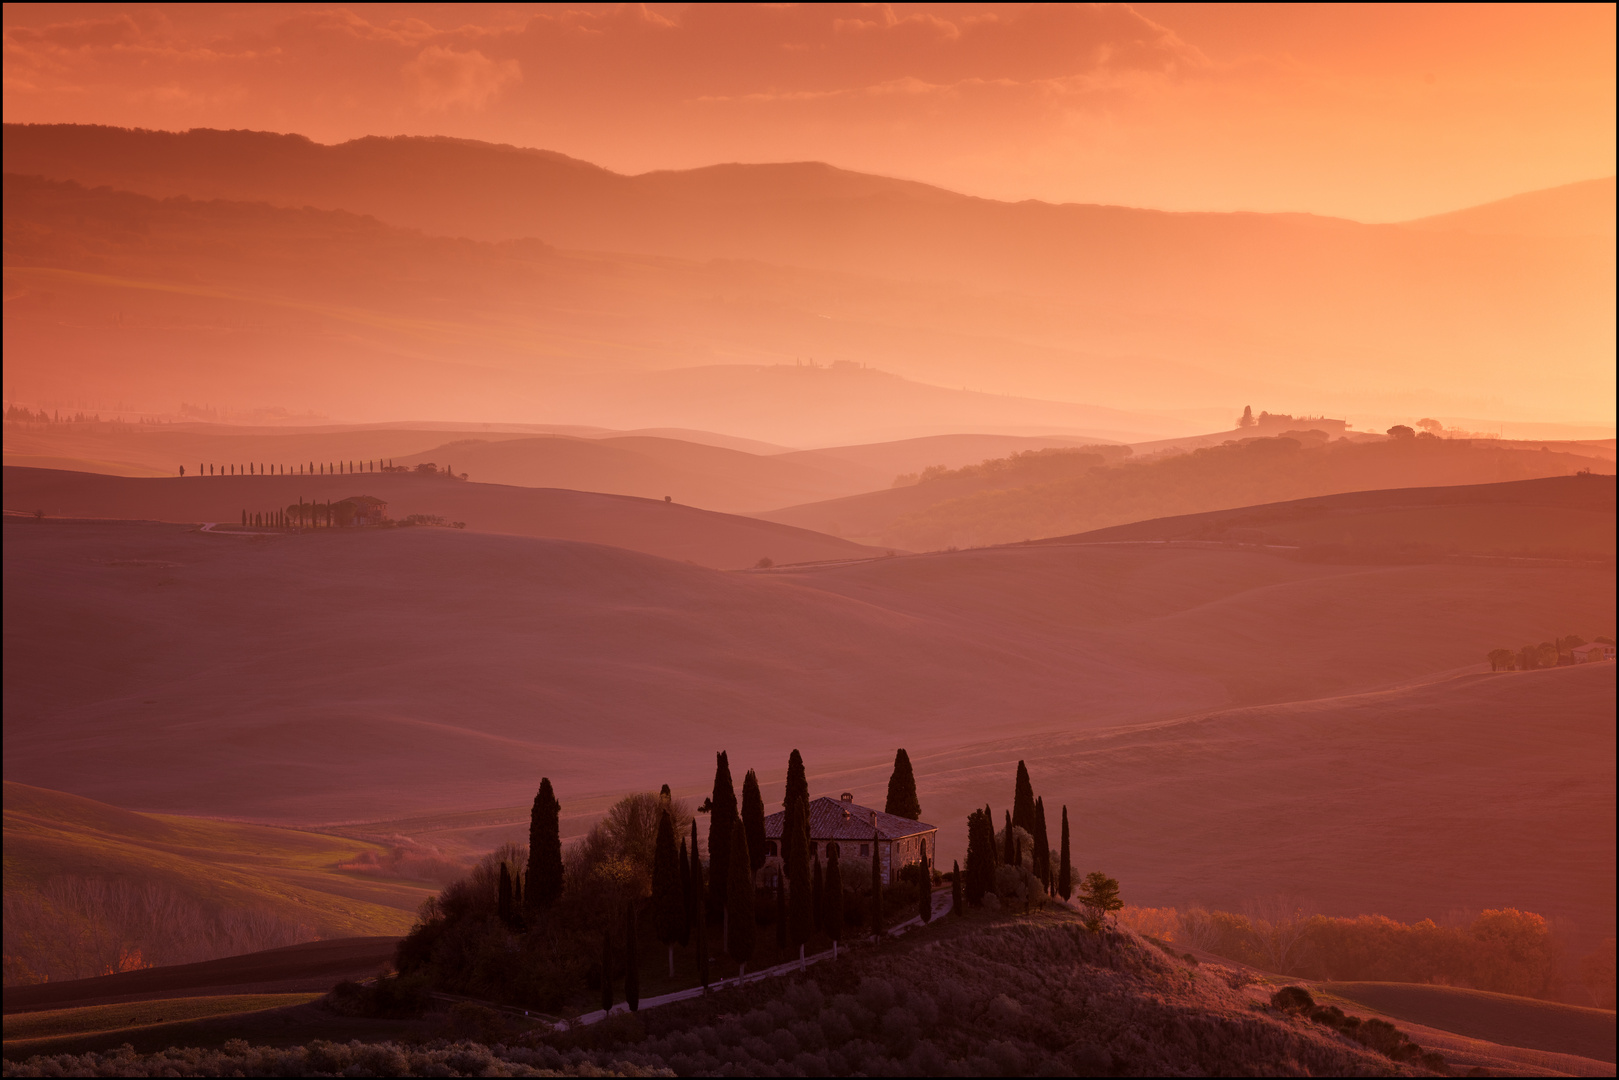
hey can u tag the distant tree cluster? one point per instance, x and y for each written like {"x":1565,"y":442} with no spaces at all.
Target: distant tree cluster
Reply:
{"x":1559,"y":652}
{"x":312,"y":468}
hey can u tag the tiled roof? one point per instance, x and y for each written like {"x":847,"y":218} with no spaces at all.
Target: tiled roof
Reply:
{"x":834,"y":819}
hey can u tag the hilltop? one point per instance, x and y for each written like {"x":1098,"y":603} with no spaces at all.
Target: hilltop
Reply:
{"x":666,"y":529}
{"x":1027,"y":497}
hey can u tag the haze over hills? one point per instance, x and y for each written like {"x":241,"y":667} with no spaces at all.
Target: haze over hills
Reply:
{"x":1054,"y":492}
{"x":440,"y":670}
{"x":1129,"y":308}
{"x":1582,"y":209}
{"x":668,"y":530}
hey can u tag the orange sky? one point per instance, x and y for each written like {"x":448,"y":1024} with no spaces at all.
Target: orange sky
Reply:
{"x":1377,"y":113}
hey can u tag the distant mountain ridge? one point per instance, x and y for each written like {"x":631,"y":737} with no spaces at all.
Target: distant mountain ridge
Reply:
{"x":1585,"y":208}
{"x":1125,"y":307}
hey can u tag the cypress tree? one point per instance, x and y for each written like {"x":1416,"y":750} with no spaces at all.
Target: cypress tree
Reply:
{"x":955,"y":889}
{"x":876,"y":885}
{"x":544,"y":849}
{"x":685,"y":893}
{"x":1065,"y":872}
{"x":832,"y":902}
{"x":503,"y":898}
{"x":668,"y":904}
{"x":739,"y":901}
{"x":517,"y":892}
{"x":607,"y":971}
{"x":753,"y":820}
{"x":902,"y":800}
{"x":699,"y":916}
{"x":781,"y":911}
{"x":1023,"y":801}
{"x":632,"y":961}
{"x":817,"y":887}
{"x":1009,"y":855}
{"x":1042,"y":845}
{"x":721,"y":815}
{"x":795,"y":842}
{"x":924,"y":889}
{"x":980,"y":856}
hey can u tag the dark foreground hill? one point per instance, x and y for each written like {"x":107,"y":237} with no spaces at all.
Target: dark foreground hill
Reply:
{"x":668,"y":530}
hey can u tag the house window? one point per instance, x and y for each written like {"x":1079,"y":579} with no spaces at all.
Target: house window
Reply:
{"x":865,"y":851}
{"x":770,"y":849}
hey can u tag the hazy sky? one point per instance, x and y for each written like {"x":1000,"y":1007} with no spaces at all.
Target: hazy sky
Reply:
{"x":1377,"y":112}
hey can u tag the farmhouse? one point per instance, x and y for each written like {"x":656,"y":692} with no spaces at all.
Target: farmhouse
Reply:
{"x":365,"y":510}
{"x":855,"y":829}
{"x":1598,"y":650}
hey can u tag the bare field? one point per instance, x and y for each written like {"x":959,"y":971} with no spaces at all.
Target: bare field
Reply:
{"x":1501,"y":1018}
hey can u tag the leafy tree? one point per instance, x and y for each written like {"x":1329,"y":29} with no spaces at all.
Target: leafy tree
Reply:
{"x":739,"y":902}
{"x":1023,"y":801}
{"x":1099,"y":895}
{"x":1042,"y":845}
{"x":795,"y":851}
{"x":1065,"y":872}
{"x":1247,"y":418}
{"x":1499,"y":659}
{"x":668,"y":899}
{"x":902,"y":801}
{"x":607,"y":971}
{"x":924,"y":889}
{"x":722,"y":815}
{"x":955,"y":889}
{"x":1568,"y":645}
{"x":1528,"y":658}
{"x":544,"y":850}
{"x":753,"y":820}
{"x":632,"y":961}
{"x":1402,"y":431}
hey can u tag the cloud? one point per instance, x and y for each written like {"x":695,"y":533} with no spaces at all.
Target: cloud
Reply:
{"x":446,"y":77}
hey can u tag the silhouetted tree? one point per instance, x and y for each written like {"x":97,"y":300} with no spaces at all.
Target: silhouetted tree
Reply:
{"x":924,"y":888}
{"x":1247,"y":417}
{"x":739,"y":901}
{"x":832,"y":902}
{"x":876,"y":884}
{"x":668,"y":903}
{"x":544,"y":850}
{"x":685,"y":893}
{"x":980,"y":856}
{"x":1042,"y":845}
{"x":1099,"y":894}
{"x":955,"y":888}
{"x":632,"y":961}
{"x":699,"y":916}
{"x":1402,"y":431}
{"x":244,"y":517}
{"x":517,"y":894}
{"x":503,"y":898}
{"x":607,"y":971}
{"x":753,"y":819}
{"x":1499,"y":658}
{"x":902,"y":800}
{"x":781,"y":911}
{"x":795,"y":851}
{"x":817,"y":893}
{"x":1065,"y":872}
{"x":1023,"y":801}
{"x":721,"y":817}
{"x":1010,"y":855}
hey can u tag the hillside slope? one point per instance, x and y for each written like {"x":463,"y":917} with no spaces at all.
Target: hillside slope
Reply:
{"x":668,"y":530}
{"x":91,"y":888}
{"x":1582,"y":209}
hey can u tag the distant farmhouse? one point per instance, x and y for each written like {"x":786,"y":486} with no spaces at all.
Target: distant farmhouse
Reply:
{"x":1598,"y":650}
{"x":363,"y":510}
{"x":855,"y":829}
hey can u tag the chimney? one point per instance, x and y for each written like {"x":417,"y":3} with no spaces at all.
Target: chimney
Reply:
{"x":847,"y":797}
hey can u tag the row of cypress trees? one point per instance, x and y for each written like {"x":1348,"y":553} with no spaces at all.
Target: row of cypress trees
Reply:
{"x":1028,"y":813}
{"x":327,"y":468}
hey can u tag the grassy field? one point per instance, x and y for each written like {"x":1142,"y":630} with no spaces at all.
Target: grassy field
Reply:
{"x":85,"y":882}
{"x":1501,"y":1018}
{"x":139,"y":1014}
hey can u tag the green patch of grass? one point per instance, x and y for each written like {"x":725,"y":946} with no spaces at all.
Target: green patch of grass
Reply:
{"x":137,"y":1014}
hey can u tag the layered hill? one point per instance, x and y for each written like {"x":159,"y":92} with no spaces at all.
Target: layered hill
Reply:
{"x":91,"y":888}
{"x":1582,"y":209}
{"x":1025,"y":497}
{"x":666,"y":529}
{"x":1136,"y":309}
{"x":1564,"y":516}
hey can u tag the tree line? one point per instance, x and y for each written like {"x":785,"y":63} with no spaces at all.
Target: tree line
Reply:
{"x":1559,"y":652}
{"x":323,"y":468}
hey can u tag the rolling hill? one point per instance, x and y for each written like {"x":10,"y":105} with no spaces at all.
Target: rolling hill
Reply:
{"x":1582,"y":209}
{"x":1196,"y":708}
{"x":669,"y":530}
{"x":1134,"y":309}
{"x":1019,"y":500}
{"x":1557,"y":516}
{"x":91,"y":888}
